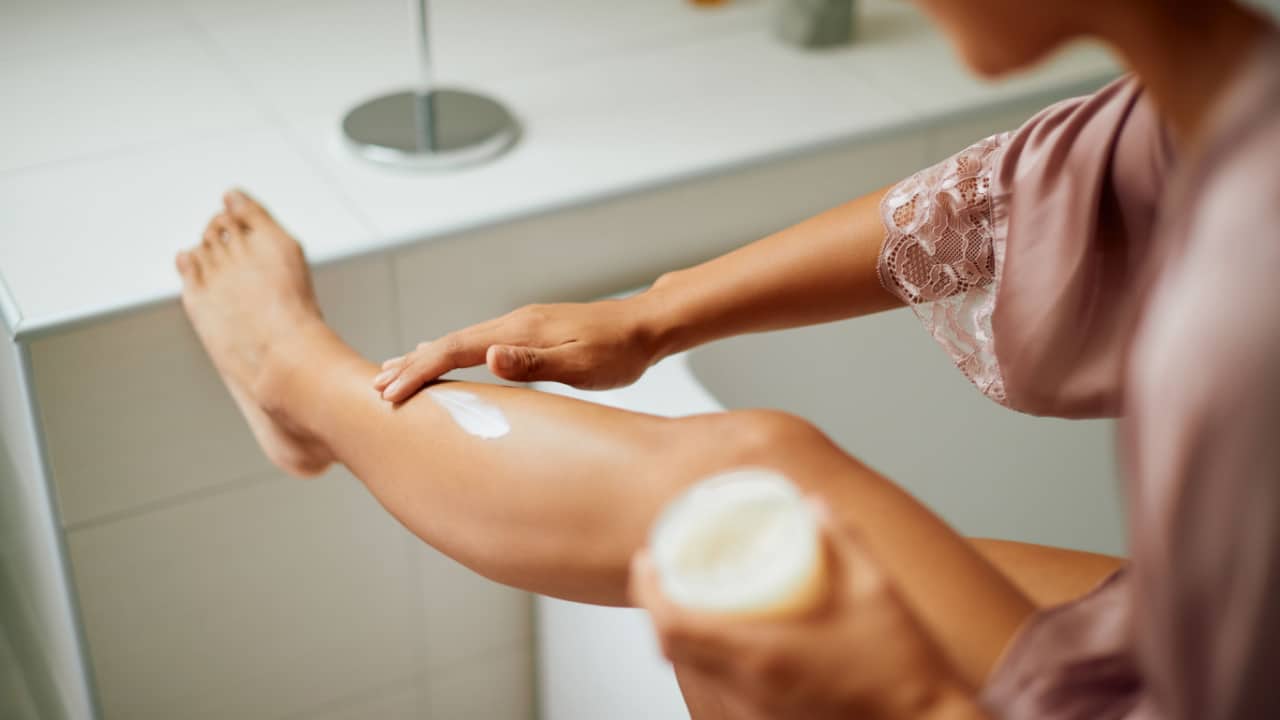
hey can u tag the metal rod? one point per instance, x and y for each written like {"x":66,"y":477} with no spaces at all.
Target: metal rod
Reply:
{"x":424,"y":45}
{"x":424,"y":108}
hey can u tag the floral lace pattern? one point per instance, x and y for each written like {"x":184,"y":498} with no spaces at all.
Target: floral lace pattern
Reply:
{"x":942,"y":257}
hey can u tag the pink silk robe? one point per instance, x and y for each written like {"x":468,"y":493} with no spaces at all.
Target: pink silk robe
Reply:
{"x":1076,"y":267}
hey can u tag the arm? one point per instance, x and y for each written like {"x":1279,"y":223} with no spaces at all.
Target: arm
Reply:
{"x":819,"y":270}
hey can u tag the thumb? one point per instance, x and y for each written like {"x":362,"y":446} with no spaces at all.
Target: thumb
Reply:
{"x":848,"y":550}
{"x":525,"y":364}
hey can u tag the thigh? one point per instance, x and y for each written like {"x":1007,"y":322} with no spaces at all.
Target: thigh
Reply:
{"x":1047,"y":575}
{"x":969,"y":607}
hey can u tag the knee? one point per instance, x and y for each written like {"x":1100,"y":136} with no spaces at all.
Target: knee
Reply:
{"x":763,"y":437}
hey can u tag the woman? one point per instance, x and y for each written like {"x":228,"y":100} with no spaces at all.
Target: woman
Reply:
{"x":1071,"y":268}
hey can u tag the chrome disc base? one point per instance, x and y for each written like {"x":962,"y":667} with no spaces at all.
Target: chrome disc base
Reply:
{"x":438,"y":130}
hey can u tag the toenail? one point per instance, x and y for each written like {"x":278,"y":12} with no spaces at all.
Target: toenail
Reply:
{"x":236,"y":198}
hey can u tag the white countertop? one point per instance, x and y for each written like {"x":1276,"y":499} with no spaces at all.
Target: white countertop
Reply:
{"x":123,"y":121}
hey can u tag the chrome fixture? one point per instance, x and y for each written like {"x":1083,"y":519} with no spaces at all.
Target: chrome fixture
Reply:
{"x":428,"y":127}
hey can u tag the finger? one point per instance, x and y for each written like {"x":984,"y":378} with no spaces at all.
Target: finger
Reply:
{"x":390,"y":370}
{"x":433,"y":359}
{"x":562,"y":363}
{"x":849,"y":558}
{"x":643,"y":584}
{"x":711,"y":696}
{"x":687,"y":638}
{"x":738,"y":707}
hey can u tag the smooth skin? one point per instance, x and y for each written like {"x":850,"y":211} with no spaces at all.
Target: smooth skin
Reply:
{"x":822,"y":269}
{"x":563,"y":502}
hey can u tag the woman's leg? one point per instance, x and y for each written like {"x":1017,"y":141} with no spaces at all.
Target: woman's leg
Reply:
{"x":560,"y":503}
{"x":1048,"y":575}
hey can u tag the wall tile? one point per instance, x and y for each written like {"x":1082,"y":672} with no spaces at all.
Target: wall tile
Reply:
{"x":250,"y":604}
{"x":135,"y":413}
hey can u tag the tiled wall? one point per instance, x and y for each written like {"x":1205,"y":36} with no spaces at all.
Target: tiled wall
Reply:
{"x":212,"y":586}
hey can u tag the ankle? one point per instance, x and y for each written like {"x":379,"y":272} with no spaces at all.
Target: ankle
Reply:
{"x":285,"y":363}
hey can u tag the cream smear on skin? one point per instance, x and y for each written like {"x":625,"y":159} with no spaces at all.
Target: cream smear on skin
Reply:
{"x":472,"y":414}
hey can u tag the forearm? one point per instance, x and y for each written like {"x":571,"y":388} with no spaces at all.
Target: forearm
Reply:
{"x":820,"y":270}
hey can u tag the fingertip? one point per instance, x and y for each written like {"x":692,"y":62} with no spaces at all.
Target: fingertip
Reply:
{"x":642,"y":583}
{"x":387,"y":364}
{"x":402,"y":388}
{"x":641,"y":566}
{"x":384,"y":378}
{"x":642,"y":561}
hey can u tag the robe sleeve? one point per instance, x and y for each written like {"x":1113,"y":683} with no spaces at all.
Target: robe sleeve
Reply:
{"x":1021,"y":253}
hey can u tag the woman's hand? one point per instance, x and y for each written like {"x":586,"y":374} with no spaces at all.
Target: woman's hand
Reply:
{"x":593,"y":346}
{"x":859,"y":654}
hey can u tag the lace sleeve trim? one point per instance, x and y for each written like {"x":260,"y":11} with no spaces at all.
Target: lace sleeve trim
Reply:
{"x":942,"y":256}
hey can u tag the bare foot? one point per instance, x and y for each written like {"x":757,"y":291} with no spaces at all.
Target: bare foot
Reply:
{"x":247,"y":290}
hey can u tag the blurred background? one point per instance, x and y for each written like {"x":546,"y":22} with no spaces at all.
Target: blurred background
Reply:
{"x":154,"y":565}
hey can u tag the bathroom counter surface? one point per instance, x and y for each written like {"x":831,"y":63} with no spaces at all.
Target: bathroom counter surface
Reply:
{"x":125,"y":123}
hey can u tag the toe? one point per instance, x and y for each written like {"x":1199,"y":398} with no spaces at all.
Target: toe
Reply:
{"x":243,"y":208}
{"x":188,"y":267}
{"x":211,"y":232}
{"x":212,"y":238}
{"x":222,"y":234}
{"x":210,"y":251}
{"x":230,"y":232}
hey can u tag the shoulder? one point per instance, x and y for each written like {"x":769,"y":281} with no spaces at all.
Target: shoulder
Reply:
{"x":1118,"y":123}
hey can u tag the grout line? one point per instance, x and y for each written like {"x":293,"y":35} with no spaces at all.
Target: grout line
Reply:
{"x":503,"y":648}
{"x":252,"y":479}
{"x":132,"y":149}
{"x":278,"y":120}
{"x":418,"y":678}
{"x":354,"y":699}
{"x":397,"y":306}
{"x":466,"y":663}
